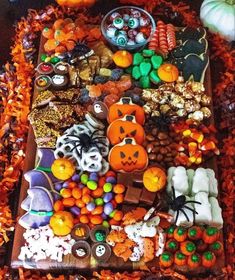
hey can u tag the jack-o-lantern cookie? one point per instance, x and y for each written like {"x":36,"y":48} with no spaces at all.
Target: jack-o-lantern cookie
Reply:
{"x":123,"y":128}
{"x":125,"y":106}
{"x":128,"y":156}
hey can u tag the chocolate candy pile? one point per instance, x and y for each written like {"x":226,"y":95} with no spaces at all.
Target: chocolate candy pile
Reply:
{"x":128,"y":27}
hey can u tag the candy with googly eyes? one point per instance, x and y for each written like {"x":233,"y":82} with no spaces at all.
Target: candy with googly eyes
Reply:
{"x":132,"y":33}
{"x":121,"y":39}
{"x":144,"y":21}
{"x":135,"y":13}
{"x":111,"y":31}
{"x":118,"y":22}
{"x":126,"y":17}
{"x":140,"y":38}
{"x":133,"y":22}
{"x":114,"y":15}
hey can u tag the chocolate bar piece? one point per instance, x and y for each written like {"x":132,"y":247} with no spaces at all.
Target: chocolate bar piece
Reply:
{"x":147,"y":197}
{"x":132,"y":195}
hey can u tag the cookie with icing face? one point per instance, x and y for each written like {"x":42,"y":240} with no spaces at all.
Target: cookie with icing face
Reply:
{"x":101,"y":251}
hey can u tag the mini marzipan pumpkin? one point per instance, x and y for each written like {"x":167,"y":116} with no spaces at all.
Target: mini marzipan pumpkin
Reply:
{"x":128,"y":156}
{"x":76,"y":3}
{"x":125,"y":106}
{"x":62,"y":223}
{"x":168,"y":72}
{"x":154,"y":179}
{"x":62,"y":168}
{"x":123,"y":128}
{"x":122,"y":58}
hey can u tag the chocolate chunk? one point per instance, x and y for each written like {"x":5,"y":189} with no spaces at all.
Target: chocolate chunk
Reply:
{"x":132,"y":195}
{"x":147,"y":197}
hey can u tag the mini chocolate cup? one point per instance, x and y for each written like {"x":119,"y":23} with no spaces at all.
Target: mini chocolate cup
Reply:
{"x":59,"y":86}
{"x":81,"y":245}
{"x":97,"y":228}
{"x":98,"y":248}
{"x":60,"y":71}
{"x":40,"y":70}
{"x":41,"y":88}
{"x":76,"y":237}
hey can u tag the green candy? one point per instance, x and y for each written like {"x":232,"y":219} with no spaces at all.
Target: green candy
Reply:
{"x":105,"y":224}
{"x":145,"y":68}
{"x":107,"y":187}
{"x":145,"y":82}
{"x":84,"y":179}
{"x":111,"y":215}
{"x":148,"y":53}
{"x":154,"y":78}
{"x":137,"y":58}
{"x":156,"y":61}
{"x":54,"y":60}
{"x":136,"y":72}
{"x":92,"y":185}
{"x":100,"y":235}
{"x":128,"y":70}
{"x":43,"y":57}
{"x":99,"y":201}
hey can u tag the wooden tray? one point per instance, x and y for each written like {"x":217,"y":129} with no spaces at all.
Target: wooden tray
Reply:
{"x":70,"y":262}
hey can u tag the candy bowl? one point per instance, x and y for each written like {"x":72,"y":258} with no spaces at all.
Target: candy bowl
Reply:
{"x":81,"y":250}
{"x":80,"y":232}
{"x":128,"y":27}
{"x":99,"y":233}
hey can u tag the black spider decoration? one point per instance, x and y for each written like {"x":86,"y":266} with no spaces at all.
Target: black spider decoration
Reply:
{"x":80,"y":51}
{"x":178,"y":203}
{"x":86,"y":141}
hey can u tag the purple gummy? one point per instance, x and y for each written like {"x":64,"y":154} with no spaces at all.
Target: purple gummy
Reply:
{"x":111,"y":180}
{"x":93,"y":176}
{"x":108,"y":208}
{"x":56,"y":196}
{"x":107,"y":197}
{"x":76,"y":178}
{"x":104,"y":216}
{"x":65,"y":184}
{"x":75,"y":210}
{"x":81,"y":186}
{"x":90,"y":206}
{"x":58,"y":186}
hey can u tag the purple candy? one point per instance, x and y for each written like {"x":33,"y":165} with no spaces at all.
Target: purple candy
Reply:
{"x":108,"y":208}
{"x":65,"y":184}
{"x":75,"y":210}
{"x":81,"y":186}
{"x":56,"y":196}
{"x":104,"y":216}
{"x":76,"y":178}
{"x":93,"y":177}
{"x":111,"y":180}
{"x":58,"y":186}
{"x":107,"y":197}
{"x":90,"y":206}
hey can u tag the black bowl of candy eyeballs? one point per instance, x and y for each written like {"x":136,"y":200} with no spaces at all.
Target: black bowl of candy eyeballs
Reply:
{"x":128,"y":27}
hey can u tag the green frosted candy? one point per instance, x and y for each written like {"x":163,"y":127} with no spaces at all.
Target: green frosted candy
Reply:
{"x":43,"y":57}
{"x":145,"y":68}
{"x":148,"y":53}
{"x":137,"y":58}
{"x":156,"y":61}
{"x":107,"y":187}
{"x":92,"y":185}
{"x":100,"y":235}
{"x":154,"y":78}
{"x":128,"y":70}
{"x":84,"y":179}
{"x":136,"y":72}
{"x":105,"y":224}
{"x":111,"y":215}
{"x":145,"y":82}
{"x":54,"y":60}
{"x":99,"y":201}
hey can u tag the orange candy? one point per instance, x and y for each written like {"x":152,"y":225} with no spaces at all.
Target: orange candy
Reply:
{"x":59,"y":24}
{"x":101,"y":182}
{"x":94,"y":91}
{"x":50,"y":45}
{"x":76,"y":193}
{"x":85,"y":190}
{"x":119,"y":198}
{"x":69,"y":27}
{"x":69,"y":202}
{"x":84,"y":219}
{"x":60,"y":49}
{"x":71,"y":36}
{"x":79,"y":32}
{"x":98,"y":192}
{"x":112,"y":222}
{"x":60,"y":35}
{"x":72,"y":185}
{"x":69,"y":45}
{"x":84,"y":211}
{"x":110,"y":174}
{"x":86,"y":198}
{"x":79,"y":203}
{"x":119,"y":188}
{"x":98,"y":210}
{"x":96,"y":219}
{"x":58,"y":206}
{"x":118,"y":216}
{"x":48,"y":33}
{"x":66,"y":193}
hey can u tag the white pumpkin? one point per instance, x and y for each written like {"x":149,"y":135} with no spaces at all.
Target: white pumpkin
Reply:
{"x":219,"y":17}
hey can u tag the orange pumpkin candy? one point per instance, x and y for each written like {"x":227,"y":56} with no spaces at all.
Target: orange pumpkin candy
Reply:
{"x":168,"y":72}
{"x":76,"y":3}
{"x":62,"y":168}
{"x":125,"y":106}
{"x":122,"y":58}
{"x":62,"y":223}
{"x":154,"y":179}
{"x":123,"y":128}
{"x":128,"y":156}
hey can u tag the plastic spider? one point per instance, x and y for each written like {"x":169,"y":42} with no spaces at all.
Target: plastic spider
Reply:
{"x":178,"y":203}
{"x":79,"y":52}
{"x":84,"y":142}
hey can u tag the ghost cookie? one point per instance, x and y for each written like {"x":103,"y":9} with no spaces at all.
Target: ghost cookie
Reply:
{"x":101,"y":251}
{"x":81,"y":250}
{"x":99,"y":110}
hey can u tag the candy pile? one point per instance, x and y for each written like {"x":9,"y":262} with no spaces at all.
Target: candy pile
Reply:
{"x":127,"y":27}
{"x":91,"y":199}
{"x":42,"y":244}
{"x":163,"y":39}
{"x":192,"y":247}
{"x":180,"y":99}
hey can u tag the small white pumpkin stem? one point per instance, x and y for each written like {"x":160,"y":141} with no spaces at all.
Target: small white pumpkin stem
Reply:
{"x":230,"y":2}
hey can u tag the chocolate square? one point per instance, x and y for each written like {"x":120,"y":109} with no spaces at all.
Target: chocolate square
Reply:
{"x":147,"y":197}
{"x":132,"y":195}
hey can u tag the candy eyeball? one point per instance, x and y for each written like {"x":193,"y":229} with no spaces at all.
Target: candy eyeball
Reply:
{"x":114,"y":15}
{"x":132,"y":33}
{"x":133,"y":22}
{"x":111,"y":31}
{"x":121,"y":40}
{"x":126,"y":17}
{"x":140,"y":38}
{"x":135,"y":13}
{"x":100,"y":250}
{"x":118,"y":23}
{"x":130,"y":42}
{"x":144,"y":21}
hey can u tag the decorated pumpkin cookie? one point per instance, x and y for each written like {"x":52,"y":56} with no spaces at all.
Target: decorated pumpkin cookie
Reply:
{"x":126,"y":107}
{"x":128,"y":156}
{"x":125,"y":127}
{"x":154,"y":179}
